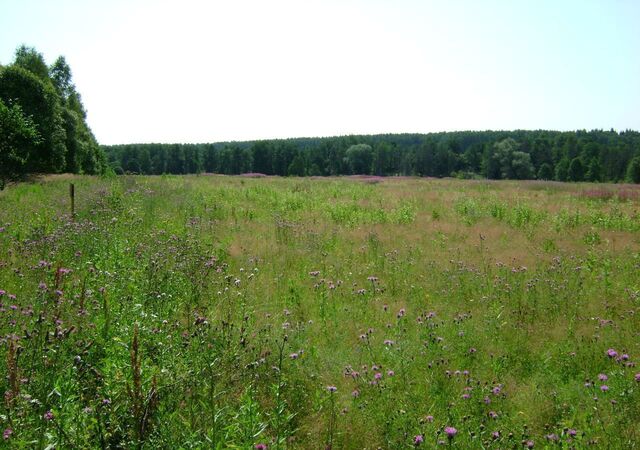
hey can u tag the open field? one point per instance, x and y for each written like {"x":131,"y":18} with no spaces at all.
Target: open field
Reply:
{"x":214,"y":312}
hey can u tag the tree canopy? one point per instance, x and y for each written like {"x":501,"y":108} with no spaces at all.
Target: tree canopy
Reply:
{"x":595,"y":155}
{"x":44,"y":128}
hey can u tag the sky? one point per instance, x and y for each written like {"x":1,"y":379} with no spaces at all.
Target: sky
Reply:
{"x":211,"y":71}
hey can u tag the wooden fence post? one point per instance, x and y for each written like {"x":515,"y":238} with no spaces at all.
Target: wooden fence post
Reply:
{"x":72,"y":195}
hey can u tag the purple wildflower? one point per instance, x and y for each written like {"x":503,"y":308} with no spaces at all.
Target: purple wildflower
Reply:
{"x":529,"y":444}
{"x":450,"y":432}
{"x":604,"y":388}
{"x":7,"y":433}
{"x":429,"y":418}
{"x":332,"y":389}
{"x":611,"y":353}
{"x":48,"y":416}
{"x":571,"y":432}
{"x":637,"y":377}
{"x":495,"y":435}
{"x":418,"y":439}
{"x":260,"y":447}
{"x":602,"y":377}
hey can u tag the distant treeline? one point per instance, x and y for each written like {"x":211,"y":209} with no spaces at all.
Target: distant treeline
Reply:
{"x":43,"y":126}
{"x":605,"y":156}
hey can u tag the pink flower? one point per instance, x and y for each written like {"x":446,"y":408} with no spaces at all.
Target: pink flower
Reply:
{"x":450,"y":432}
{"x":418,"y":440}
{"x":7,"y":433}
{"x":611,"y":353}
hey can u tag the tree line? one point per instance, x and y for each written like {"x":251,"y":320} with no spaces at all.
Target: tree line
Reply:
{"x":43,"y":126}
{"x":597,"y":156}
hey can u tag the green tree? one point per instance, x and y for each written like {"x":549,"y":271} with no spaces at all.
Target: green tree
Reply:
{"x":521,"y":167}
{"x":633,"y":170}
{"x":545,"y":172}
{"x":576,"y":170}
{"x":594,"y":170}
{"x":39,"y":100}
{"x":359,"y":157}
{"x":562,"y":170}
{"x":29,"y":59}
{"x":297,"y":166}
{"x":18,"y":135}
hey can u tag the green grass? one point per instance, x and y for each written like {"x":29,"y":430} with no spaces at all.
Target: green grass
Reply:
{"x":216,"y":312}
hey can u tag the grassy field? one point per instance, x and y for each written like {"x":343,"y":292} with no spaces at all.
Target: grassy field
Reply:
{"x":215,"y":312}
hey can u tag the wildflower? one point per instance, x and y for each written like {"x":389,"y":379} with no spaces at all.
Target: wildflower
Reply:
{"x":495,"y":435}
{"x":332,"y":389}
{"x":361,"y":291}
{"x":401,"y":313}
{"x":529,"y":444}
{"x":293,"y":356}
{"x":260,"y":447}
{"x":48,"y":416}
{"x":314,"y":273}
{"x":602,"y":377}
{"x":450,"y":432}
{"x":552,"y":437}
{"x":571,"y":432}
{"x":496,"y":390}
{"x":388,"y":342}
{"x":391,"y":373}
{"x":493,"y":414}
{"x":604,"y":388}
{"x":378,"y":376}
{"x":418,"y":439}
{"x":7,"y":433}
{"x":106,"y":402}
{"x":611,"y":353}
{"x":429,"y":418}
{"x":355,"y":393}
{"x":372,"y":279}
{"x":42,"y":286}
{"x":637,"y":377}
{"x":2,"y":292}
{"x":472,"y":350}
{"x":466,"y":396}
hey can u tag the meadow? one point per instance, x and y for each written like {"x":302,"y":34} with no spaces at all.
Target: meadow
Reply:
{"x":212,"y":311}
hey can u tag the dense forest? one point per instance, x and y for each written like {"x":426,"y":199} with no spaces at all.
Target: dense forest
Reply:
{"x":43,"y":126}
{"x":598,"y":156}
{"x":43,"y":129}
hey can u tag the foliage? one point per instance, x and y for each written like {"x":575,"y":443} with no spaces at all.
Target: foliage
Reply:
{"x":20,"y":137}
{"x":48,"y":98}
{"x":603,"y":155}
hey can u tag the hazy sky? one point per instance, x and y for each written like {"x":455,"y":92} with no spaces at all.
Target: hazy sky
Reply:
{"x":205,"y":71}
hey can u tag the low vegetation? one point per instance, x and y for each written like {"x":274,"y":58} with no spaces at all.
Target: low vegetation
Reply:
{"x":217,"y":312}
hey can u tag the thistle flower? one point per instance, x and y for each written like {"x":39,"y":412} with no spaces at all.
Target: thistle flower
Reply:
{"x":450,"y":432}
{"x":48,"y":416}
{"x":418,"y":439}
{"x":7,"y":433}
{"x":611,"y":353}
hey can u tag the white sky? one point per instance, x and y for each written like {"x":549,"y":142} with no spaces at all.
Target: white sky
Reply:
{"x":206,"y":71}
